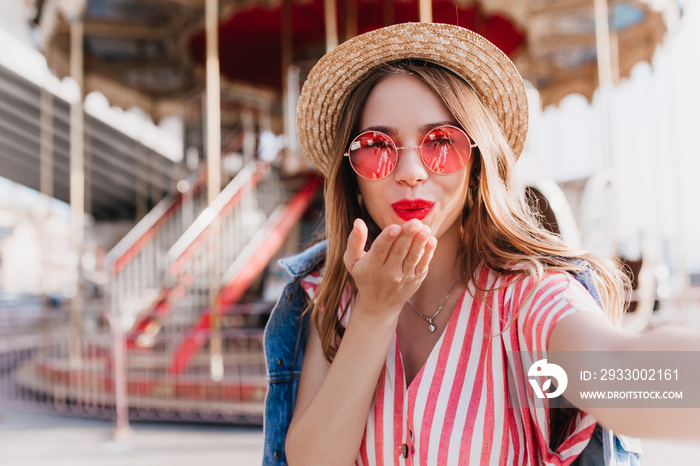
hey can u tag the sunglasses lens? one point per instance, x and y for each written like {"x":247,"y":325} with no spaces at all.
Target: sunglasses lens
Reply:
{"x":446,"y":150}
{"x":372,"y":155}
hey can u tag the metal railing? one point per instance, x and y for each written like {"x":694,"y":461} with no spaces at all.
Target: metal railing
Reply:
{"x":137,"y":265}
{"x":239,"y":213}
{"x":253,"y":230}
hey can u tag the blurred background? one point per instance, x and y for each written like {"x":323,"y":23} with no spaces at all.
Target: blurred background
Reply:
{"x":150,"y":176}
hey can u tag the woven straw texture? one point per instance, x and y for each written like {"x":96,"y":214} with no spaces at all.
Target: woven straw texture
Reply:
{"x":464,"y":52}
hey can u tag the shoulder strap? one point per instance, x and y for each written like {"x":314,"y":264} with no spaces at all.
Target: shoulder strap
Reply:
{"x":585,"y":278}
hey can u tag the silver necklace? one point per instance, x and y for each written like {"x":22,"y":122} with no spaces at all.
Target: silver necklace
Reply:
{"x":432,"y":326}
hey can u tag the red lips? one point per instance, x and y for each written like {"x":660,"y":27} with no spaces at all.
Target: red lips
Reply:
{"x":407,"y":209}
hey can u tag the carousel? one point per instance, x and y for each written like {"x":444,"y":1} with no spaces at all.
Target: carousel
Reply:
{"x":179,"y":334}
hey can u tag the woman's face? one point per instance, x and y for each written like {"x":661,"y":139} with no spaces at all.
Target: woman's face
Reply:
{"x":405,"y":108}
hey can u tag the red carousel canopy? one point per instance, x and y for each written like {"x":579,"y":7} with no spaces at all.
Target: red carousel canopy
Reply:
{"x":149,"y":53}
{"x":249,"y":40}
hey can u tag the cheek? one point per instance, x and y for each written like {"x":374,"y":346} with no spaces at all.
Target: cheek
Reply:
{"x":458,"y":188}
{"x":456,"y":201}
{"x":372,"y":196}
{"x":456,"y":205}
{"x":376,"y":202}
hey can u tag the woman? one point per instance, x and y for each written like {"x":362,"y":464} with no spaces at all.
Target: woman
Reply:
{"x":438,"y":287}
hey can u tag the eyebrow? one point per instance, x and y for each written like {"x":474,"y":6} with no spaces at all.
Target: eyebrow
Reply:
{"x":393,"y":131}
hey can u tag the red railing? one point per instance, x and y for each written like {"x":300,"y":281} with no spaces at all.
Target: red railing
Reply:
{"x":251,"y":262}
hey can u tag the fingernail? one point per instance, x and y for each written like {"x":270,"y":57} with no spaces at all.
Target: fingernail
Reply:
{"x":423,"y":234}
{"x":432,"y":241}
{"x":413,"y":226}
{"x":394,"y":231}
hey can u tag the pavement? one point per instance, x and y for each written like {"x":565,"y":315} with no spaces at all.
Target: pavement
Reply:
{"x":31,"y":438}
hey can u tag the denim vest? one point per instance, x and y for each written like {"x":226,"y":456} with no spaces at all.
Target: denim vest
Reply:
{"x":285,"y":341}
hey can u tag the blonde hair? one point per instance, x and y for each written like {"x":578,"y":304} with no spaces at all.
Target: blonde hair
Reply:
{"x":499,"y":229}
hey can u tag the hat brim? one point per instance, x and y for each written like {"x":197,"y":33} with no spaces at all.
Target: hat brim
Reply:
{"x":483,"y":65}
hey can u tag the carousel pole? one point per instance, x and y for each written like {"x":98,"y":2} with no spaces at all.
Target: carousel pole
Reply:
{"x":425,"y":11}
{"x":77,"y":177}
{"x":46,"y":148}
{"x":286,"y":44}
{"x":603,"y":51}
{"x":73,"y":11}
{"x":213,"y":148}
{"x":288,"y":98}
{"x":606,"y":66}
{"x":673,"y":17}
{"x":331,"y":21}
{"x":46,"y":187}
{"x":286,"y":37}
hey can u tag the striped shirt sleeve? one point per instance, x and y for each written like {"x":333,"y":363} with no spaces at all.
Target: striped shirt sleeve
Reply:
{"x":556,"y":296}
{"x":312,"y":281}
{"x":544,"y":304}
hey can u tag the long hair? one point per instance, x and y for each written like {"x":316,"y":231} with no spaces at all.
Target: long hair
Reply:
{"x":499,"y":229}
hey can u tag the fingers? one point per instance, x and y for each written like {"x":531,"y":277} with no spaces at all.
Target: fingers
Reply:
{"x":356,"y":244}
{"x":408,"y":247}
{"x":394,"y":266}
{"x":385,"y":243}
{"x":416,"y":251}
{"x":421,"y":267}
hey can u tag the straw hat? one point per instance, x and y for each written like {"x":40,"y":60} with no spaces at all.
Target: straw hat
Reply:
{"x":469,"y":55}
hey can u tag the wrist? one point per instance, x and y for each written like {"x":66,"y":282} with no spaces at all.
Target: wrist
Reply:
{"x":374,"y":313}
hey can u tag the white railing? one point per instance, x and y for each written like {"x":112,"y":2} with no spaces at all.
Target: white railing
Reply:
{"x":240,"y":211}
{"x":138,"y":263}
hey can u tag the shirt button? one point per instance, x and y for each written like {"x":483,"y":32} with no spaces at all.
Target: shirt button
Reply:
{"x":277,"y":453}
{"x":280,"y":362}
{"x":404,"y":450}
{"x":290,"y":296}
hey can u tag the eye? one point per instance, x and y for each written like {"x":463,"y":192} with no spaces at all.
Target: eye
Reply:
{"x":437,"y":140}
{"x":379,"y":143}
{"x":376,"y":142}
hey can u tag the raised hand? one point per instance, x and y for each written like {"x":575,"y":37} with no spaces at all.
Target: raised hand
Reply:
{"x":394,"y":267}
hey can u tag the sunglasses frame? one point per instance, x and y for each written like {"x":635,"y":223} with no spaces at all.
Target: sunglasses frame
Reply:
{"x":472,"y":145}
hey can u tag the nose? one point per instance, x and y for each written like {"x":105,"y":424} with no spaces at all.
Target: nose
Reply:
{"x":410,"y":168}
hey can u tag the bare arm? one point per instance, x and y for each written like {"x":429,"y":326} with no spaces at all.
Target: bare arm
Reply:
{"x":587,"y":332}
{"x":334,"y":399}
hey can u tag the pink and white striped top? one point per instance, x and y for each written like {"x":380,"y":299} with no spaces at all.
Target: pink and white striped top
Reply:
{"x":471,"y":403}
